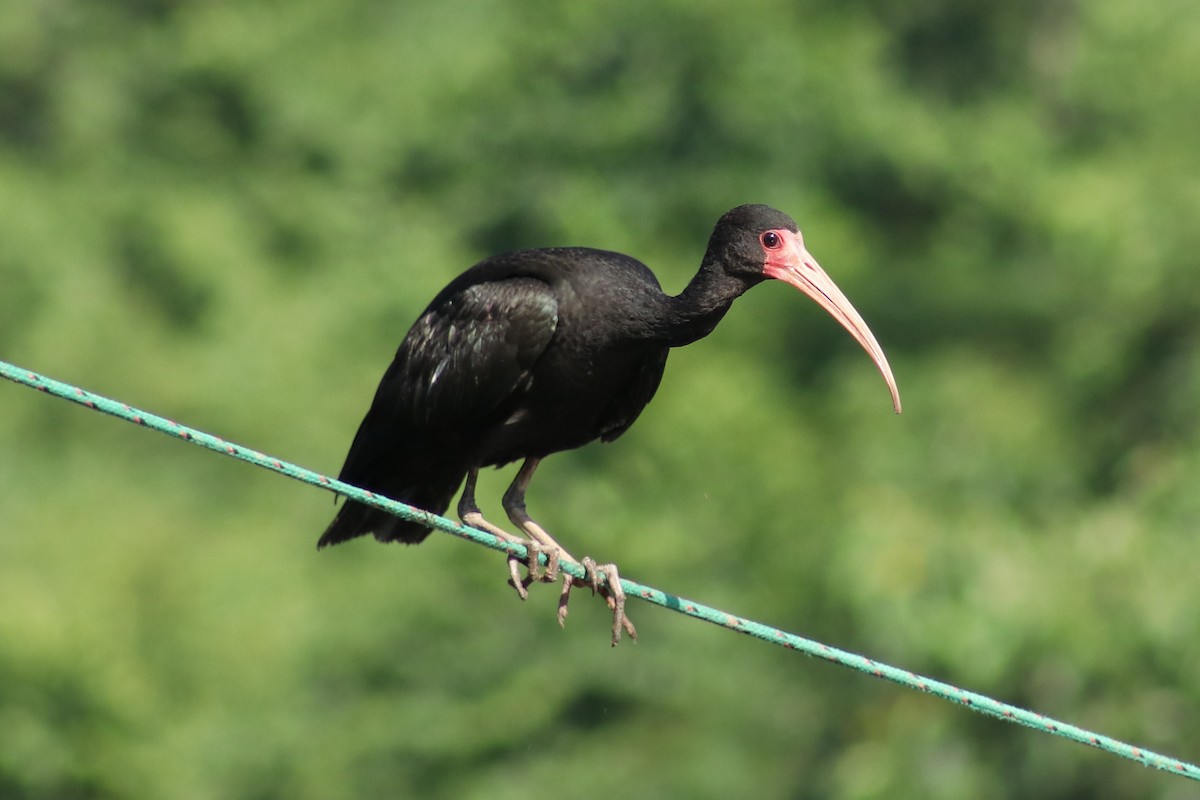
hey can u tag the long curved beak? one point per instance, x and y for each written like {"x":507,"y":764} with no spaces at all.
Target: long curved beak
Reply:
{"x":795,"y":265}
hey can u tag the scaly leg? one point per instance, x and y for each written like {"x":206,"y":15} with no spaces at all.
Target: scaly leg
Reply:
{"x":469,"y":513}
{"x":614,"y":595}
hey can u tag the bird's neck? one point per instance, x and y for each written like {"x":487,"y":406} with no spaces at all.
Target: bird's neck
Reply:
{"x":694,"y":312}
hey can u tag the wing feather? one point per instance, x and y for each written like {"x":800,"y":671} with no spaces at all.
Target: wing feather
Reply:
{"x":467,"y":355}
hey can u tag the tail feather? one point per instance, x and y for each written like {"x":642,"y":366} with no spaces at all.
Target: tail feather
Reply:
{"x":355,"y":519}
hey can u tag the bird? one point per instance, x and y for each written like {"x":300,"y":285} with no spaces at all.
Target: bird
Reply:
{"x":538,"y":351}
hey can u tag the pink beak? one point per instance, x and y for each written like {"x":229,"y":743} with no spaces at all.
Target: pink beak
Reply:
{"x":793,"y":264}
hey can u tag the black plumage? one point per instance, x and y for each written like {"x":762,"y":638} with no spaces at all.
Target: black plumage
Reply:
{"x":499,"y":368}
{"x":538,"y":351}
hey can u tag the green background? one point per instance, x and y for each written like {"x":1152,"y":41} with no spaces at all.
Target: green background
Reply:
{"x":228,"y":213}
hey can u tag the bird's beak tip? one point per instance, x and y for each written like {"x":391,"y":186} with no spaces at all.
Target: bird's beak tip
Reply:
{"x":886,"y":370}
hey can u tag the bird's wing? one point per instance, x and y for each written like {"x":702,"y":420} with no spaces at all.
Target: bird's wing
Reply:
{"x":469,"y":352}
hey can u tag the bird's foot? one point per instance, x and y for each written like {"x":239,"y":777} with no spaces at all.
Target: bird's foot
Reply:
{"x":610,"y":590}
{"x":476,"y":520}
{"x":515,"y":580}
{"x":534,"y":571}
{"x":540,"y":542}
{"x":553,"y":555}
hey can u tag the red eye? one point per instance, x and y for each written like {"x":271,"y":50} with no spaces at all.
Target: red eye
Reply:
{"x":771,"y":240}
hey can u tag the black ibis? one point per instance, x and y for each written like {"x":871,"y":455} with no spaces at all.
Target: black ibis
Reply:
{"x":537,"y":351}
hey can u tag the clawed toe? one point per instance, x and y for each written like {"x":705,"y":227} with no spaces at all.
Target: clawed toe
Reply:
{"x":614,"y":596}
{"x":535,"y":572}
{"x":563,"y":599}
{"x":592,"y":573}
{"x":534,"y":559}
{"x":610,"y":590}
{"x":540,"y":542}
{"x":515,"y":580}
{"x":553,"y":555}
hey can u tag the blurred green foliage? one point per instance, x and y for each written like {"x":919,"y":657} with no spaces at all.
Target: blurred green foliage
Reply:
{"x":229,"y":213}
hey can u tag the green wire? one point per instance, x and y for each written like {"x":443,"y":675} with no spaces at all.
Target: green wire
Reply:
{"x":976,"y":702}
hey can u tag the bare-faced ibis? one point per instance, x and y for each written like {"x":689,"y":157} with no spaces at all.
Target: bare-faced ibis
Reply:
{"x":537,"y":351}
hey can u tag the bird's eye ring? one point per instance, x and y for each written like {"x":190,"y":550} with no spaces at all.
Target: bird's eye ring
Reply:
{"x":771,"y":240}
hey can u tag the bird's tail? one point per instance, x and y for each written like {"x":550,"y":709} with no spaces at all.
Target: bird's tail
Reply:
{"x":433,"y":493}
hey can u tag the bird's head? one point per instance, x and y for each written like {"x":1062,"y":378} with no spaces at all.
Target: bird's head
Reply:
{"x":755,"y":242}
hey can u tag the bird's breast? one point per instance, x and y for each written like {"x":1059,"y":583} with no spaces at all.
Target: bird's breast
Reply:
{"x":575,"y":396}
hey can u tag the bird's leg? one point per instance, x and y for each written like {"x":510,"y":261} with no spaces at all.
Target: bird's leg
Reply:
{"x":614,"y":595}
{"x":514,"y":506}
{"x":469,"y":513}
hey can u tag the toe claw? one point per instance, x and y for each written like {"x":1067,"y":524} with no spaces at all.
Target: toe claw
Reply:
{"x":610,"y":589}
{"x":563,"y":599}
{"x":515,"y":580}
{"x":628,"y":625}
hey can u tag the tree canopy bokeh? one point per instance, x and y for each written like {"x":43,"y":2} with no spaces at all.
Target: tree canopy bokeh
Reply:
{"x":229,"y":213}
